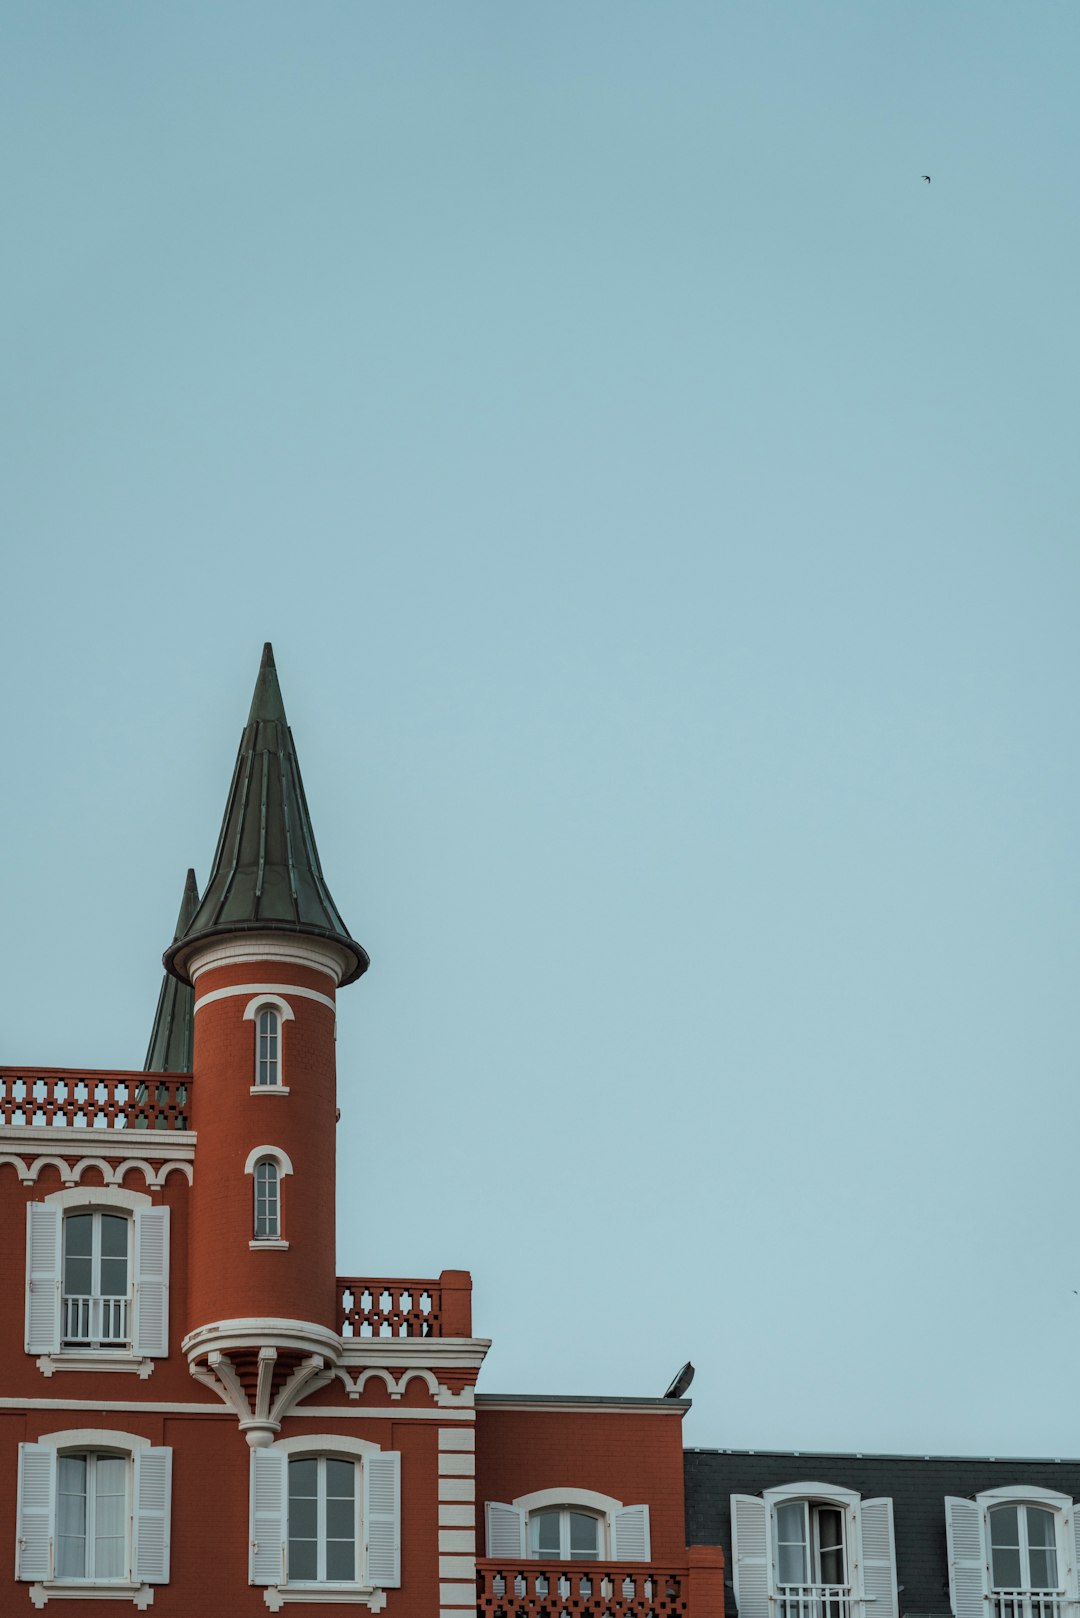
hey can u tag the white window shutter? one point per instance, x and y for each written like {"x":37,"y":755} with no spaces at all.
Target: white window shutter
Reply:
{"x":153,"y":1499}
{"x":269,"y":1512}
{"x":1073,"y":1585}
{"x":630,"y":1534}
{"x":879,"y":1559}
{"x":505,"y":1530}
{"x":382,"y":1518}
{"x":44,"y":1226}
{"x":750,"y":1555}
{"x":969,"y":1582}
{"x":151,"y":1330}
{"x":36,"y":1511}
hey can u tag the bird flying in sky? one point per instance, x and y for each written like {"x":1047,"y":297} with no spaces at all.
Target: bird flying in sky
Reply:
{"x":926,"y":177}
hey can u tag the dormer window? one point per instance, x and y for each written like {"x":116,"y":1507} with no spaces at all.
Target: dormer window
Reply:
{"x":1023,"y":1548}
{"x":564,"y":1535}
{"x":268,"y":1047}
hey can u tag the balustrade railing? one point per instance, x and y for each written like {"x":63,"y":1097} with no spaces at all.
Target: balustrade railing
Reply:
{"x":389,"y":1308}
{"x":91,"y":1320}
{"x":1028,"y":1603}
{"x":88,"y":1100}
{"x":813,"y":1601}
{"x":581,"y":1590}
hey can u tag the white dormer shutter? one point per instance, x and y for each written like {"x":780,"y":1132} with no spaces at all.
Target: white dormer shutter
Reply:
{"x":630,"y":1534}
{"x":36,"y":1511}
{"x":382,"y":1518}
{"x":505,"y":1530}
{"x":44,"y":1226}
{"x":750,"y":1555}
{"x":1073,"y":1584}
{"x":969,"y":1583}
{"x":153,"y":1499}
{"x":150,"y":1334}
{"x":879,"y":1559}
{"x":269,"y":1514}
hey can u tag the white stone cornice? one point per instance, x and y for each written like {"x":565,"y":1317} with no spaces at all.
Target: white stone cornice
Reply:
{"x":65,"y":1141}
{"x":288,"y":1336}
{"x":401,"y":1353}
{"x":247,"y":948}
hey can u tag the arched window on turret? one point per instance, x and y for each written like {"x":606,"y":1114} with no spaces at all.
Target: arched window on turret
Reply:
{"x":268,"y":1166}
{"x":267,"y":1200}
{"x":268,"y":1046}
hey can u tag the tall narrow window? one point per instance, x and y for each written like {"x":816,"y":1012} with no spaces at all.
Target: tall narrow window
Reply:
{"x":92,"y":1515}
{"x":96,"y":1279}
{"x":322,"y":1521}
{"x":267,"y":1200}
{"x":268,"y":1065}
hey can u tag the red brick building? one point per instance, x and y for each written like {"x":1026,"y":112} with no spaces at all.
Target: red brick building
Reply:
{"x":197,"y":1413}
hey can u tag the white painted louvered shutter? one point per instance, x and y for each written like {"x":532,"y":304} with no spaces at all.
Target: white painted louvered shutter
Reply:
{"x":36,"y":1511}
{"x":1073,"y":1586}
{"x":150,"y":1334}
{"x":505,"y":1530}
{"x":44,"y":1227}
{"x":630,"y":1534}
{"x":269,"y":1513}
{"x":153,"y":1500}
{"x":969,"y":1582}
{"x":750,"y":1555}
{"x":382,"y":1519}
{"x":879,"y":1559}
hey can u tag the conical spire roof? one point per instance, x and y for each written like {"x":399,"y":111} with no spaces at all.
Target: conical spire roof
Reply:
{"x":266,"y":876}
{"x":170,"y":1047}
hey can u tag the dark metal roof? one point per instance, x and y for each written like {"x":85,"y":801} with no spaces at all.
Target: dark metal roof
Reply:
{"x":170,"y":1047}
{"x":266,"y":875}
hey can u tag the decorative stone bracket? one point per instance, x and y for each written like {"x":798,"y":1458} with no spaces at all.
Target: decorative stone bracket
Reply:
{"x":261,"y":1415}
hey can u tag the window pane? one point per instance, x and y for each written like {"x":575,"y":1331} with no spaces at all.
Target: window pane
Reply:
{"x":71,"y":1517}
{"x":830,"y":1540}
{"x":340,"y":1519}
{"x":544,"y":1533}
{"x":1004,"y":1526}
{"x":340,"y":1559}
{"x":303,"y":1479}
{"x":1040,"y":1527}
{"x":110,"y":1474}
{"x":302,"y":1559}
{"x":792,"y":1550}
{"x":340,"y":1479}
{"x":583,"y":1537}
{"x":77,"y":1277}
{"x":114,"y":1237}
{"x":114,"y":1277}
{"x":1043,"y":1568}
{"x":1006,"y":1563}
{"x":78,"y":1234}
{"x":303,"y":1518}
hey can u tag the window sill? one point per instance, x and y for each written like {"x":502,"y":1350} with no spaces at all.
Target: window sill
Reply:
{"x":56,"y":1590}
{"x":351,"y":1595}
{"x":269,"y":1089}
{"x":95,"y":1359}
{"x":269,"y":1244}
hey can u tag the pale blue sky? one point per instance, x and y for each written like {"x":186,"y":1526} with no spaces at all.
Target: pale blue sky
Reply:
{"x":663,"y":505}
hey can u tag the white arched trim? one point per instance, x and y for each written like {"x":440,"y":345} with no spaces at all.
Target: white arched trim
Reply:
{"x":425,"y":1376}
{"x":325,"y":1444}
{"x":272,"y":1002}
{"x":812,"y":1491}
{"x":587,"y":1498}
{"x":167,"y":1168}
{"x":264,"y":992}
{"x":20,"y":1168}
{"x":1026,"y":1491}
{"x":93,"y":1438}
{"x":257,"y":1154}
{"x":104,"y":1196}
{"x":67,"y":1173}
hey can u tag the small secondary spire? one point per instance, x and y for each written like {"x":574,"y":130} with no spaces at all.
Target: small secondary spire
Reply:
{"x":172,"y":1037}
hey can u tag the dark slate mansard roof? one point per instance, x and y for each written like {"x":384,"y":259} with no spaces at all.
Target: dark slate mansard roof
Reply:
{"x":917,"y":1486}
{"x":266,"y":876}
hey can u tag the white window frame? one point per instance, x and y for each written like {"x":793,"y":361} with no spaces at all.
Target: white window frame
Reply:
{"x":870,"y":1586}
{"x":95,"y":1441}
{"x":967,"y":1572}
{"x":360,"y":1591}
{"x":53,"y":1354}
{"x":602,"y":1506}
{"x":273,"y":1154}
{"x":285,"y":1013}
{"x":96,"y":1214}
{"x":320,"y":1581}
